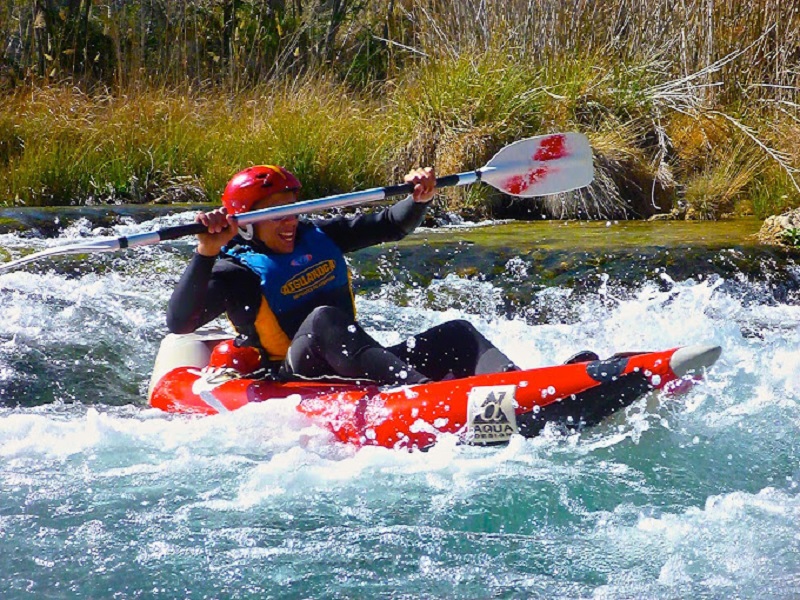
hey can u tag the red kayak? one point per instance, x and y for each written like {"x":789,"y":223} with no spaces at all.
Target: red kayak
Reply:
{"x":484,"y":409}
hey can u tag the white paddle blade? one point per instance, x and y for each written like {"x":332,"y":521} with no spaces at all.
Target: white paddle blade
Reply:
{"x":541,"y":165}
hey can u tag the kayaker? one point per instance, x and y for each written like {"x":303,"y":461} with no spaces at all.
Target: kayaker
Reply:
{"x":286,"y":288}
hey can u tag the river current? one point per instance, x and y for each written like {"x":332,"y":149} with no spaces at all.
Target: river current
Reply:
{"x":693,"y":496}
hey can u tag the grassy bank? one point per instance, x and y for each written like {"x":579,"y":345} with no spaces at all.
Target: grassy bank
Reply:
{"x":680,"y":120}
{"x":62,"y":146}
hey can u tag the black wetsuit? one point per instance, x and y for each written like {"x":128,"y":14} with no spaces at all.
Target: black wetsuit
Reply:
{"x":327,"y":342}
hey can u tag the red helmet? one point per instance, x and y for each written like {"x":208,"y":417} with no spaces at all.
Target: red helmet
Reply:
{"x":256,"y":183}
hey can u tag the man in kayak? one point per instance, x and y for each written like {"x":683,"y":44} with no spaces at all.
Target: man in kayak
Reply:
{"x":286,"y":289}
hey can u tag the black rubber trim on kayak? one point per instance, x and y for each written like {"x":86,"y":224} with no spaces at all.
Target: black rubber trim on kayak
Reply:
{"x":606,"y":370}
{"x":589,"y":407}
{"x":123,"y":243}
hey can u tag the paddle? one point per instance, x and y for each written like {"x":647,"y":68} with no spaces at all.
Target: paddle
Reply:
{"x":537,"y":166}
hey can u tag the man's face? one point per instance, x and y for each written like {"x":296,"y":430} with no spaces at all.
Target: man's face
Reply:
{"x":278,"y":235}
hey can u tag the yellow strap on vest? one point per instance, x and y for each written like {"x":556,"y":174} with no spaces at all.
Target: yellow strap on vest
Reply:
{"x":270,"y":335}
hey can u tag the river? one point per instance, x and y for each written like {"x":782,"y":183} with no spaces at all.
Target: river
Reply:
{"x":676,"y":497}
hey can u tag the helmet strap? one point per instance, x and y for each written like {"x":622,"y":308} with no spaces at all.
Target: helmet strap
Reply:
{"x":246,"y":232}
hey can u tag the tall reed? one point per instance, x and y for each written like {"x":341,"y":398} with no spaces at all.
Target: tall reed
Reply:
{"x":240,"y":42}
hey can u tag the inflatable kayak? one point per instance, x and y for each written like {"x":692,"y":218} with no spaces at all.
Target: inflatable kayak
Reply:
{"x":484,"y":409}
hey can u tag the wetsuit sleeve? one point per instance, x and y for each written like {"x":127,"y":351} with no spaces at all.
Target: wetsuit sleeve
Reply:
{"x":209,"y":288}
{"x":388,"y":225}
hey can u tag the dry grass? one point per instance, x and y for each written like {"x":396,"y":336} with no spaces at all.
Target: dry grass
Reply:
{"x":713,"y":192}
{"x":78,"y":148}
{"x":693,"y":104}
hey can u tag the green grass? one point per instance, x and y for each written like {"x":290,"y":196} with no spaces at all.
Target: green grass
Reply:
{"x":61,"y":146}
{"x":79,"y":148}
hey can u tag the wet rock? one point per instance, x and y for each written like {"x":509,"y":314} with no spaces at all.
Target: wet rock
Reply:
{"x":182,"y":190}
{"x":661,"y":217}
{"x":50,"y":221}
{"x":781,"y":230}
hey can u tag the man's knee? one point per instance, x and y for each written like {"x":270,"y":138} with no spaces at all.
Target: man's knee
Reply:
{"x":460,"y":328}
{"x":325,"y":318}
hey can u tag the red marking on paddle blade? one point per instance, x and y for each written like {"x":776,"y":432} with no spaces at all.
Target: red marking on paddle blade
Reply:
{"x":551,"y":148}
{"x":519,"y":183}
{"x":515,"y":185}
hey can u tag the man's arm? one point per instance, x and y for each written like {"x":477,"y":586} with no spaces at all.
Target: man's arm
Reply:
{"x":365,"y":230}
{"x":388,"y":225}
{"x":188,"y":306}
{"x":208,"y":288}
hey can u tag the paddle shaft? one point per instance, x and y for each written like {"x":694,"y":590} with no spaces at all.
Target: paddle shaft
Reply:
{"x":288,"y":210}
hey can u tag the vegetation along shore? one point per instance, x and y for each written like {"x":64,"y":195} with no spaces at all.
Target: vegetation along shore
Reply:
{"x":691,"y":108}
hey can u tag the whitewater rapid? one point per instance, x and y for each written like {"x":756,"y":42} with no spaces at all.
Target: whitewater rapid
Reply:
{"x":101,"y":496}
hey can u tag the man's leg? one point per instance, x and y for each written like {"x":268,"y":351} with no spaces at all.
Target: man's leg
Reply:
{"x":454,"y":347}
{"x":330,"y":344}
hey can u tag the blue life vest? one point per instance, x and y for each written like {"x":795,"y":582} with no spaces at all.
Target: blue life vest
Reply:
{"x":293,"y":285}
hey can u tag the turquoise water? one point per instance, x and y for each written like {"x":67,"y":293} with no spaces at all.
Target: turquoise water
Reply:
{"x":678,"y":497}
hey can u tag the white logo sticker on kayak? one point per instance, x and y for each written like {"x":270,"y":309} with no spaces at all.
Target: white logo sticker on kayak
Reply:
{"x":208,"y":379}
{"x":490,"y":414}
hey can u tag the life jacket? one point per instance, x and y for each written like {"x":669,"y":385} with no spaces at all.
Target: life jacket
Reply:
{"x":292,"y":286}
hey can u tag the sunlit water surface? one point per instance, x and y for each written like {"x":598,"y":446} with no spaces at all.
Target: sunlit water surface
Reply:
{"x":677,"y":497}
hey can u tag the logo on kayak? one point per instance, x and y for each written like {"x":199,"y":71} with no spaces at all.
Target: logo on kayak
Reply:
{"x":309,"y":279}
{"x":301,"y":260}
{"x":490,"y":415}
{"x":208,"y":379}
